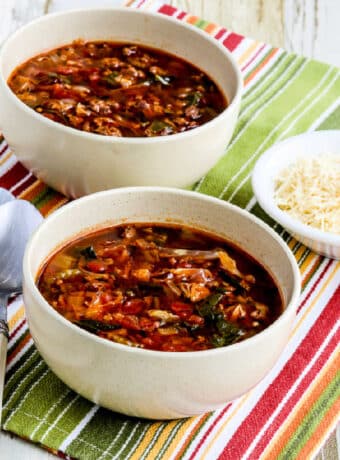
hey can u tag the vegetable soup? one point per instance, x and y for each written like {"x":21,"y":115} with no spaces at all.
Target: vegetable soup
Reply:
{"x":160,"y":287}
{"x":116,"y":89}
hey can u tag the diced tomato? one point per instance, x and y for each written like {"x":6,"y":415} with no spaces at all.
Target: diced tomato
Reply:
{"x":147,"y":324}
{"x":96,"y":266}
{"x":128,"y":321}
{"x":184,"y":264}
{"x":182,"y":309}
{"x":105,"y":297}
{"x":66,"y":70}
{"x":133,"y":306}
{"x":94,"y":77}
{"x":60,"y":92}
{"x":195,"y":319}
{"x":156,"y":339}
{"x":149,"y":343}
{"x":174,"y":347}
{"x":51,"y":116}
{"x":90,"y":72}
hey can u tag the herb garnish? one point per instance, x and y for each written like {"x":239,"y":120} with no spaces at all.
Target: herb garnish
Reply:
{"x":164,"y":80}
{"x":226,"y":332}
{"x":157,"y":126}
{"x":194,"y":98}
{"x":207,"y":308}
{"x":111,"y":79}
{"x":92,"y":325}
{"x":233,"y":282}
{"x":52,"y":77}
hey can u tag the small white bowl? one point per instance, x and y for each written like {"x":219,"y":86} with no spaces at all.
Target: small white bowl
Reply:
{"x":78,"y":163}
{"x":147,"y":383}
{"x":267,"y":170}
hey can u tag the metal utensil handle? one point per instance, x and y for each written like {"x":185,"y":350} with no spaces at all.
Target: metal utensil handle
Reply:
{"x":3,"y":314}
{"x":4,"y":328}
{"x":3,"y":356}
{"x":3,"y":343}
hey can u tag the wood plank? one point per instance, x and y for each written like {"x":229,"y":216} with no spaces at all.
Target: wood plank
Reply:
{"x":307,"y":27}
{"x":16,"y":13}
{"x":311,"y":28}
{"x":260,"y":19}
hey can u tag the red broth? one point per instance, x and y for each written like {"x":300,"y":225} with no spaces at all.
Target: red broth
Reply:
{"x":161,"y":287}
{"x":117,"y":89}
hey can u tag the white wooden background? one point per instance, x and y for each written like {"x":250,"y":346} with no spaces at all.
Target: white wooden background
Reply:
{"x":307,"y":27}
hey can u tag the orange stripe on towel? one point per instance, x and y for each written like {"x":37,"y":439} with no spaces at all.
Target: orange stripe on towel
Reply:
{"x":18,"y":316}
{"x":19,"y":347}
{"x":260,"y":67}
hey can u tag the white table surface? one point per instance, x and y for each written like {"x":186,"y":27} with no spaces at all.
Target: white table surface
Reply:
{"x":309,"y":27}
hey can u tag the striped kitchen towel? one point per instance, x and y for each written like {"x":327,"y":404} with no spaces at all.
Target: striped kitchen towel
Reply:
{"x":293,"y":410}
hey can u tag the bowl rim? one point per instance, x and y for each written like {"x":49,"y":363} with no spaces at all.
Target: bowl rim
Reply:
{"x":232,"y":105}
{"x":262,"y":187}
{"x":34,"y":291}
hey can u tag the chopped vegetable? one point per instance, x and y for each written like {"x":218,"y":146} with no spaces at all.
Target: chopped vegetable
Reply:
{"x":112,"y":79}
{"x":194,"y":98}
{"x":164,"y":80}
{"x":95,"y":326}
{"x":88,"y":253}
{"x":226,"y":332}
{"x":235,"y":283}
{"x":158,"y":127}
{"x":207,"y":308}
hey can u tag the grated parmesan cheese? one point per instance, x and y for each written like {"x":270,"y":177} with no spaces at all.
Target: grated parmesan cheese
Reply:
{"x":309,"y":191}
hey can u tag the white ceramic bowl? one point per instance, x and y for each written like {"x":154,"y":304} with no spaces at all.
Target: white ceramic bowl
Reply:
{"x":76,"y":162}
{"x":155,"y":384}
{"x":278,"y":158}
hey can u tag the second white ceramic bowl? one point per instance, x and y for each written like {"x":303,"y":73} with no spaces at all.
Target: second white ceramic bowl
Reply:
{"x":146,"y":383}
{"x":279,"y":157}
{"x":77,"y":163}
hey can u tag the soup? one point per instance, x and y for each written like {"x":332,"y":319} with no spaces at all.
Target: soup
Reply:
{"x":160,"y":287}
{"x":116,"y":89}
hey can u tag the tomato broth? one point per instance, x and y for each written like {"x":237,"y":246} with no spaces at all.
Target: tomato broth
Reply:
{"x":117,"y":89}
{"x":161,"y":287}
